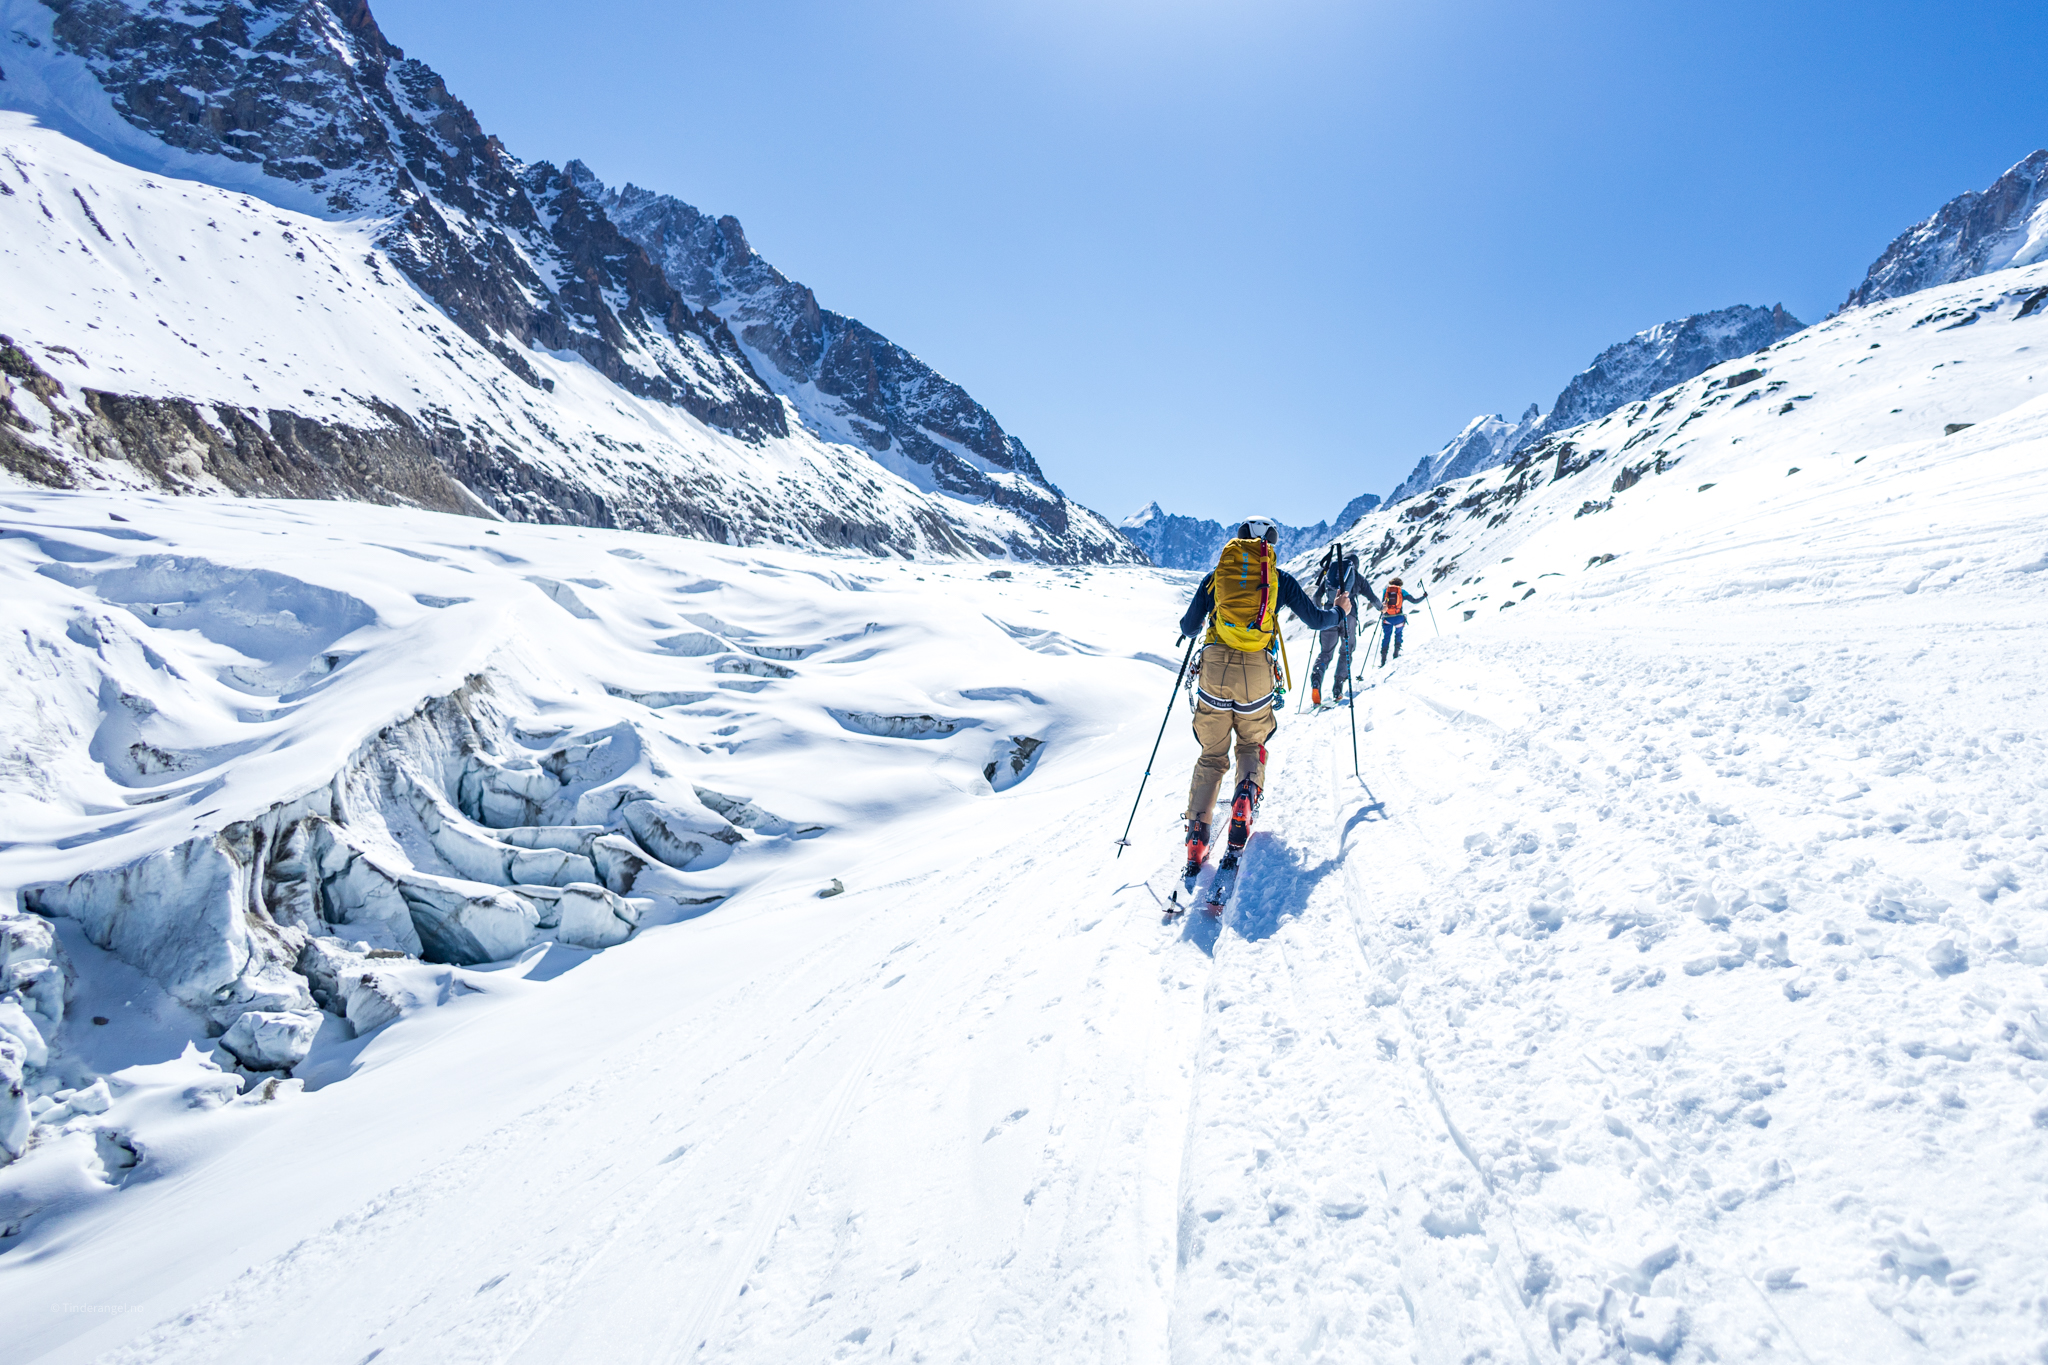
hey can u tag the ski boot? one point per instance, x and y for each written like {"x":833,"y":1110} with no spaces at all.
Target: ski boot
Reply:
{"x":1315,"y":696}
{"x":1244,"y":806}
{"x":1198,"y":853}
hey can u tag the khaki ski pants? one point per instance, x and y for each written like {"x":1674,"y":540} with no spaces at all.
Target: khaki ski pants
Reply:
{"x":1233,"y":694}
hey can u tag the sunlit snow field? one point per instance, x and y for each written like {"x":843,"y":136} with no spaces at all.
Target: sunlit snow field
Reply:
{"x":1668,"y":983}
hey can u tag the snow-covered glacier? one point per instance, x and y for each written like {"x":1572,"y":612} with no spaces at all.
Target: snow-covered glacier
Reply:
{"x":562,"y":943}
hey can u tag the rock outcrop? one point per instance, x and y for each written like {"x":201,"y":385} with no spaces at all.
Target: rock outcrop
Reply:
{"x":304,"y":106}
{"x":849,"y":382}
{"x":1972,"y":234}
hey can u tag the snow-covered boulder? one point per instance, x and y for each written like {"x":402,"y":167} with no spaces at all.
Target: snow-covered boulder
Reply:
{"x":369,"y":987}
{"x":359,"y":895}
{"x":272,"y":1040}
{"x":15,"y":1118}
{"x":34,"y":967}
{"x":475,"y":854}
{"x":682,"y":837}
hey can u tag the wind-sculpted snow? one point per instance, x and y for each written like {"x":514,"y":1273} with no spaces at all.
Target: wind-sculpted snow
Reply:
{"x":280,"y":775}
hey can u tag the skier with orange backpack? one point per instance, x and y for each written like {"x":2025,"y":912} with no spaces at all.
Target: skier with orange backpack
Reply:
{"x":1240,"y":600}
{"x":1394,"y":616}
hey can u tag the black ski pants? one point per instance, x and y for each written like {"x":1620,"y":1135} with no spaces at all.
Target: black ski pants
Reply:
{"x":1339,"y":641}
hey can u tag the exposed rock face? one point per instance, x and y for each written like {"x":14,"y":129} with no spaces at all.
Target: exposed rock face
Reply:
{"x":1669,"y":353}
{"x":1626,"y":372}
{"x":849,"y":382}
{"x":305,"y":105}
{"x":1972,"y":234}
{"x":1353,"y":510}
{"x":1176,"y":542}
{"x":314,"y":96}
{"x":1486,"y":441}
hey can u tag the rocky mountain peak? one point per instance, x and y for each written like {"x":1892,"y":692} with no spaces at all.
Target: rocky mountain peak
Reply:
{"x":1669,"y":353}
{"x":1486,"y":441}
{"x":1973,"y":234}
{"x":847,"y":381}
{"x":306,"y":105}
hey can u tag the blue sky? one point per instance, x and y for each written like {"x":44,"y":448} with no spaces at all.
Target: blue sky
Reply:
{"x":1264,"y":256}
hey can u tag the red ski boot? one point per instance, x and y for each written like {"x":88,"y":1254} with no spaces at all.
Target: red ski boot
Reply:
{"x":1244,"y":807}
{"x":1198,"y":852}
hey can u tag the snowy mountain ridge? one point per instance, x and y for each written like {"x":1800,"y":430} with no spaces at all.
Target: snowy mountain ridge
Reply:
{"x":1973,"y":234}
{"x":1171,"y":541}
{"x":1907,"y":376}
{"x":309,"y":108}
{"x":848,"y":382}
{"x":1626,"y":372}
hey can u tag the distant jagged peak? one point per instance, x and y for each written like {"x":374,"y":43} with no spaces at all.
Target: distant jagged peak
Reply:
{"x":1145,"y":515}
{"x":1484,"y":442}
{"x":1972,"y":234}
{"x":1656,"y":358}
{"x":847,"y":381}
{"x":1172,"y":541}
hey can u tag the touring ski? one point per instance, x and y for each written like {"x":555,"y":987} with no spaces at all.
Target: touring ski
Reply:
{"x":1223,"y":884}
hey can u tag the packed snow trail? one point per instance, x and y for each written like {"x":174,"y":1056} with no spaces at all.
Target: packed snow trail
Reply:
{"x":1646,"y":1008}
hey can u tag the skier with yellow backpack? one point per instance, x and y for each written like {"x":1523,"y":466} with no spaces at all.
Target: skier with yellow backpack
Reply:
{"x":1234,"y":683}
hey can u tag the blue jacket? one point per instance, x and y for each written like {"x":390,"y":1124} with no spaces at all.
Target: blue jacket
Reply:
{"x":1291,"y":597}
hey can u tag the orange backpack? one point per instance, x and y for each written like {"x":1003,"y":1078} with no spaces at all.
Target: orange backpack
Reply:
{"x":1393,"y":599}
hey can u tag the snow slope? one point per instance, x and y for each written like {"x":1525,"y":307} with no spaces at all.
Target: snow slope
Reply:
{"x":260,"y":322}
{"x":1673,"y":984}
{"x":498,"y":343}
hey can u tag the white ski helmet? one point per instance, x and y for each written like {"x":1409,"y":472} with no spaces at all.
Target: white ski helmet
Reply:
{"x":1260,"y":528}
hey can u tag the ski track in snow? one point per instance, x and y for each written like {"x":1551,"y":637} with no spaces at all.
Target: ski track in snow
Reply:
{"x":1557,"y":1099}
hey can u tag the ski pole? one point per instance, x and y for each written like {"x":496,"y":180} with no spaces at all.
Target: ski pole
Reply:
{"x":1437,"y":631}
{"x":1171,"y":697}
{"x":1353,"y":709}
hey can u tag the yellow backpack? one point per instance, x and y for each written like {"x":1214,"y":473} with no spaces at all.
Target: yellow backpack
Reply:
{"x":1247,"y":588}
